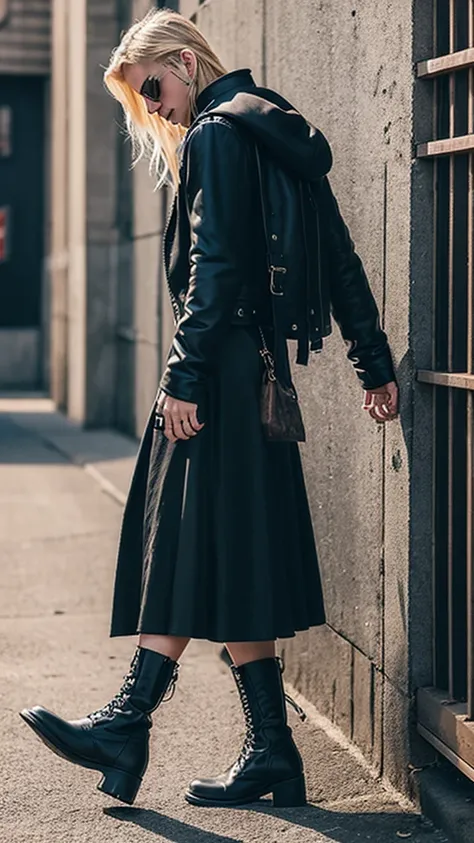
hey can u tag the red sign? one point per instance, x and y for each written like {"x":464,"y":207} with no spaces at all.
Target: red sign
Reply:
{"x":4,"y":219}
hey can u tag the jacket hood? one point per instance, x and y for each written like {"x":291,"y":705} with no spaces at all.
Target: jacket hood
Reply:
{"x":276,"y":125}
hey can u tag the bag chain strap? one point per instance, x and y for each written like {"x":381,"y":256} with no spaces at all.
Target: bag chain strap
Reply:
{"x":265,"y":352}
{"x":267,"y":358}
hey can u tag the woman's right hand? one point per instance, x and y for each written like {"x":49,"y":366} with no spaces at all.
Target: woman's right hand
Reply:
{"x":180,"y":417}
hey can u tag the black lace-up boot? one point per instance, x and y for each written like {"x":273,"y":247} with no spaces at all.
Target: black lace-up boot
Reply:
{"x":269,"y":761}
{"x":114,"y":739}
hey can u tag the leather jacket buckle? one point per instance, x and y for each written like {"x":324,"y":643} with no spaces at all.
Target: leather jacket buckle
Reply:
{"x":273,"y":288}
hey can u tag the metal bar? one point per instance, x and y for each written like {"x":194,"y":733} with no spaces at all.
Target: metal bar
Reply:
{"x":457,"y":397}
{"x":446,"y":146}
{"x":435,"y":584}
{"x":469,"y":558}
{"x":451,"y":608}
{"x":459,"y":60}
{"x":470,"y":398}
{"x":459,"y":380}
{"x":458,"y":505}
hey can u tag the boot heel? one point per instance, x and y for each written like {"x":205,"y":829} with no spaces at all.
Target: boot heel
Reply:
{"x":120,"y":784}
{"x":290,"y":794}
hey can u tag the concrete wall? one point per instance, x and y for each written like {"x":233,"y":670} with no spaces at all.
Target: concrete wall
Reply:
{"x":102,"y":174}
{"x":348,"y":67}
{"x":83,"y":255}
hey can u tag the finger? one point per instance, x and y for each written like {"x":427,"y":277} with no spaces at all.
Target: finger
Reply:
{"x":177,"y":427}
{"x":382,"y":411}
{"x":372,"y":399}
{"x":389,"y":407}
{"x":393,"y":397}
{"x":393,"y":405}
{"x":193,"y":420}
{"x":385,"y":413}
{"x":375,"y":414}
{"x":171,"y":422}
{"x":381,"y":407}
{"x":168,"y":429}
{"x":187,"y":428}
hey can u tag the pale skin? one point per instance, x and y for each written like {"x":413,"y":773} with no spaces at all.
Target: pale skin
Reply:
{"x":181,"y":422}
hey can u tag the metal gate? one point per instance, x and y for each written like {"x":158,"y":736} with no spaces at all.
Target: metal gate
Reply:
{"x":446,"y":710}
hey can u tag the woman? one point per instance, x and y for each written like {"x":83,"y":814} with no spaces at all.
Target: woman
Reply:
{"x":217,"y":539}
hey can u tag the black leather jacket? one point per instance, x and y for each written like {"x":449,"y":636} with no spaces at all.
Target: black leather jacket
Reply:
{"x":214,"y":247}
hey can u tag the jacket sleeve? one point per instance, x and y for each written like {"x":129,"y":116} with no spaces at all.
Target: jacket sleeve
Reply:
{"x":218,"y":198}
{"x":353,"y":305}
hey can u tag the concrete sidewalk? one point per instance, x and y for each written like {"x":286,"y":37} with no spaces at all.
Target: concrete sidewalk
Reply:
{"x":61,"y":492}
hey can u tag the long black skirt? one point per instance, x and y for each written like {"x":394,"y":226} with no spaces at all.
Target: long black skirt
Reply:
{"x":217,"y":540}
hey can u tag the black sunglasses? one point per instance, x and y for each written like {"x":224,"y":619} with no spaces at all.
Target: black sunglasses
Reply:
{"x":151,"y":88}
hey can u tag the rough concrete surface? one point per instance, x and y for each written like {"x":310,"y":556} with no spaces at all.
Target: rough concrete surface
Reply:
{"x":58,"y":534}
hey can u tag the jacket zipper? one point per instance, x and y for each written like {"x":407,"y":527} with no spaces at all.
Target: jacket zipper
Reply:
{"x":174,"y":303}
{"x":321,"y":313}
{"x":306,"y":255}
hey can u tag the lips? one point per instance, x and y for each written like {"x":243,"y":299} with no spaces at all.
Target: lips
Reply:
{"x":165,"y":116}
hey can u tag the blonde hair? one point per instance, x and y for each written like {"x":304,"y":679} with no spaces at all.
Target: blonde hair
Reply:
{"x":159,"y":36}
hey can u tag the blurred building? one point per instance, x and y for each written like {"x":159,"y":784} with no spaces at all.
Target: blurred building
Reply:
{"x":84,"y":312}
{"x":24,"y":139}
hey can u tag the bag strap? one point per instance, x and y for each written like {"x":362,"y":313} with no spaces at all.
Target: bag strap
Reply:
{"x":273,"y":259}
{"x":267,"y":358}
{"x":280,"y":363}
{"x":272,"y":254}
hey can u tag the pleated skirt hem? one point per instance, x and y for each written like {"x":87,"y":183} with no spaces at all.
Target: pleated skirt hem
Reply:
{"x":220,"y":638}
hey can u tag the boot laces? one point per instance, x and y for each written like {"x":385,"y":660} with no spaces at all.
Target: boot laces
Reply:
{"x":123,"y":694}
{"x":249,"y":726}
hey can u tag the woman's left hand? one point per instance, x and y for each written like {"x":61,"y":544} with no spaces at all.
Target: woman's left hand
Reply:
{"x":180,"y":417}
{"x":382,"y":402}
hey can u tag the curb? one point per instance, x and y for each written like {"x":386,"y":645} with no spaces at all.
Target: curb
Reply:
{"x":446,"y":797}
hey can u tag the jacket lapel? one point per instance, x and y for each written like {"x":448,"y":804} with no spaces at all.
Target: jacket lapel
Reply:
{"x":177,"y":244}
{"x":169,"y":235}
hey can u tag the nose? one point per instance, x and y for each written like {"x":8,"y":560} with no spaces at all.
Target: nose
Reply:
{"x":152,"y":107}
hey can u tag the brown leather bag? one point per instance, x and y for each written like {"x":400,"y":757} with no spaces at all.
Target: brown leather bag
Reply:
{"x":279,"y":409}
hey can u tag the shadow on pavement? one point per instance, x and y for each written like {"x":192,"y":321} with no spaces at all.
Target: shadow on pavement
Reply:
{"x":45,"y":436}
{"x":335,"y":825}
